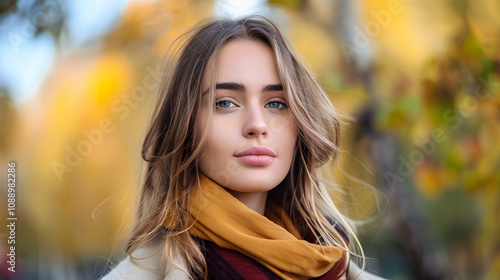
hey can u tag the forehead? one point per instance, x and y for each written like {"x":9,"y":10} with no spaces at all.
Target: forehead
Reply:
{"x":244,"y":61}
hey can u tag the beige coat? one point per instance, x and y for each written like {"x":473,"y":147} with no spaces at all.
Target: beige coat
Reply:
{"x":151,"y":252}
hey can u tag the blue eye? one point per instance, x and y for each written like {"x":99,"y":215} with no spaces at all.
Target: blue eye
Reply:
{"x":276,"y":105}
{"x":224,"y":104}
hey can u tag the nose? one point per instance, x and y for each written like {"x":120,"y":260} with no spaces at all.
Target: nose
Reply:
{"x":255,"y":124}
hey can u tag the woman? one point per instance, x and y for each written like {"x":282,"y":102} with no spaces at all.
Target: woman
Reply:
{"x":233,"y":188}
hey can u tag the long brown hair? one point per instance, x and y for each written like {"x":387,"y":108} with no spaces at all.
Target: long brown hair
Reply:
{"x":172,"y":145}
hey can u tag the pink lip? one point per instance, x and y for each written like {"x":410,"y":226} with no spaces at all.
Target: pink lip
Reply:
{"x":256,"y":155}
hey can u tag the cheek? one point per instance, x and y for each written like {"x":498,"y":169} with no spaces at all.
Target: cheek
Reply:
{"x":286,"y":136}
{"x":287,"y":132}
{"x":292,"y":139}
{"x":218,"y":137}
{"x":203,"y":126}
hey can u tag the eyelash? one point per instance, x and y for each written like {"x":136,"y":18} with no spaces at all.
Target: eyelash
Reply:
{"x":278,"y":100}
{"x":218,"y":100}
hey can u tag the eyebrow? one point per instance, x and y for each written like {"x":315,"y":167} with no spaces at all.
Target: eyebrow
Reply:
{"x":241,"y":87}
{"x":274,"y":87}
{"x":230,"y":86}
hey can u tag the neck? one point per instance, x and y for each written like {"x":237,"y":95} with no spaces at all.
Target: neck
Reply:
{"x":253,"y":200}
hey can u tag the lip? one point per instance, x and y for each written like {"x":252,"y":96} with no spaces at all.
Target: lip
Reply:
{"x":256,"y":155}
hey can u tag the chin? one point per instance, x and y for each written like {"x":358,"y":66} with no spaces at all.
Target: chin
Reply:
{"x":254,"y":184}
{"x":250,"y":189}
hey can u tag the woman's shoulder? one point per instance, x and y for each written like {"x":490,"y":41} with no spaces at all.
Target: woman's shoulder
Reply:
{"x":148,"y":257}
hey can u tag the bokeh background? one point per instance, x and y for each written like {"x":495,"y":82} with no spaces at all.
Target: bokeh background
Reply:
{"x":417,"y":83}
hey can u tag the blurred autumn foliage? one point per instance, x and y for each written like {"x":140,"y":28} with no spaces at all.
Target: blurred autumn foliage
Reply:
{"x":416,"y":81}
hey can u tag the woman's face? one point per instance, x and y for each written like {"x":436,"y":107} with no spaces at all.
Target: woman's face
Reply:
{"x":251,"y":135}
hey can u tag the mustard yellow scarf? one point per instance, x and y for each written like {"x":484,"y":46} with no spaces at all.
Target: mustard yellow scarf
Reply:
{"x":272,"y":240}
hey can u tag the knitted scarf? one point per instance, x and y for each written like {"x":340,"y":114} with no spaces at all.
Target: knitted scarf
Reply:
{"x":270,"y":240}
{"x":223,"y":264}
